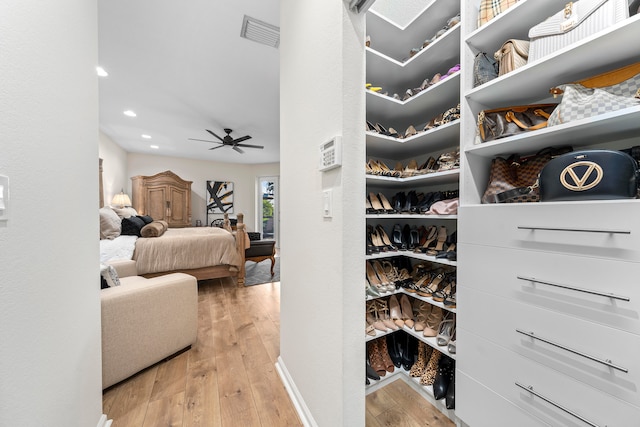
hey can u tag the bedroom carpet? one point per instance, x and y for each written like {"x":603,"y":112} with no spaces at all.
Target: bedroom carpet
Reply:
{"x":259,"y":273}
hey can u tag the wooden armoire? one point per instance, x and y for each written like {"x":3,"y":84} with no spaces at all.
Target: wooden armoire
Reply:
{"x":163,"y":196}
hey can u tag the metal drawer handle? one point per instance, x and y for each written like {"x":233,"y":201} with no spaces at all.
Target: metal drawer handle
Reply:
{"x":573,"y":414}
{"x":573,"y":288}
{"x":582,"y":230}
{"x":606,"y":362}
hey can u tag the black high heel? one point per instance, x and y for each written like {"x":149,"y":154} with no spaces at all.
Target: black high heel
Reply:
{"x":397,"y":238}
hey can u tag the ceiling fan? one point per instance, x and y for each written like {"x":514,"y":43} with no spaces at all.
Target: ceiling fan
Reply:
{"x":229,"y":141}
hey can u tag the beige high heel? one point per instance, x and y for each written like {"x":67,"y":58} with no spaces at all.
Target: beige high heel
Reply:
{"x":433,"y":322}
{"x":395,"y":312}
{"x":374,"y":322}
{"x":407,"y":311}
{"x":383,"y":314}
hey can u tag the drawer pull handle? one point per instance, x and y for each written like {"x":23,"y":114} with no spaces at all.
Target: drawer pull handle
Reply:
{"x":573,"y":288}
{"x":582,"y":230}
{"x":606,"y":362}
{"x":568,"y":411}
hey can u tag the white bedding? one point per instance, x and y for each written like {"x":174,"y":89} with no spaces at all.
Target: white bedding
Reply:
{"x":121,"y":247}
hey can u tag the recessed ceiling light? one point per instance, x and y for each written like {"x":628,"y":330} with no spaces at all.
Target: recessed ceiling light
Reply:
{"x":155,"y":147}
{"x":130,"y":113}
{"x":145,"y":136}
{"x":101,"y":72}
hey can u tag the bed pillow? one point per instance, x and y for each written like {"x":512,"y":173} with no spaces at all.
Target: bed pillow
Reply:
{"x":132,"y":226}
{"x":154,"y":229}
{"x":146,"y":218}
{"x":110,"y":226}
{"x":126,"y":212}
{"x":108,"y":276}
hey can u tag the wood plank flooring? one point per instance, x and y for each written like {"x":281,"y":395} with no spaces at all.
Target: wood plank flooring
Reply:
{"x":228,"y":377}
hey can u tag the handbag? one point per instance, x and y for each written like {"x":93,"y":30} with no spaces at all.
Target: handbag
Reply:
{"x":610,"y":91}
{"x":578,"y":19}
{"x":513,"y":180}
{"x":513,"y":54}
{"x":589,"y":175}
{"x":509,"y":121}
{"x":489,"y":9}
{"x":485,"y":69}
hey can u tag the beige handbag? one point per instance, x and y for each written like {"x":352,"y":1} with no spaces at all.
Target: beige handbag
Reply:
{"x":513,"y":54}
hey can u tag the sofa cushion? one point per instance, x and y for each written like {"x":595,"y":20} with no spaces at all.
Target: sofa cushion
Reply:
{"x":108,"y":276}
{"x":125,"y":212}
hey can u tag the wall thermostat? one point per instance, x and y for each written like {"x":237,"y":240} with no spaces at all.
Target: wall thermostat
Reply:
{"x":331,"y":154}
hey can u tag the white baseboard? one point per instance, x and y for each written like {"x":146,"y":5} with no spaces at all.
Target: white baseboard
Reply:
{"x":295,"y":396}
{"x":104,"y":422}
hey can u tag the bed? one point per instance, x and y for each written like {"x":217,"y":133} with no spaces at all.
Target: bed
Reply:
{"x":203,"y":252}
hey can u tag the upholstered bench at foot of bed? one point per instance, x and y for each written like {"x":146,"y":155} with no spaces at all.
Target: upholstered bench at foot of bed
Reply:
{"x":145,"y":321}
{"x":261,"y":250}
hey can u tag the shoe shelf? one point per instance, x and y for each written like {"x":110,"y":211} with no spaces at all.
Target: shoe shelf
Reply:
{"x":410,"y":254}
{"x":387,"y":379}
{"x":396,"y":75}
{"x":430,"y":341}
{"x":409,"y":216}
{"x":413,"y":295}
{"x":615,"y":125}
{"x":440,"y":138}
{"x":437,"y":178}
{"x":426,"y":391}
{"x":526,"y":13}
{"x":396,"y":40}
{"x":531,"y":82}
{"x":419,"y":109}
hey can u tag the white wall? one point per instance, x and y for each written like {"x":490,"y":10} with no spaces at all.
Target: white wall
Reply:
{"x":244,"y":178}
{"x":322,"y":343}
{"x":114,"y":166}
{"x":50,"y":368}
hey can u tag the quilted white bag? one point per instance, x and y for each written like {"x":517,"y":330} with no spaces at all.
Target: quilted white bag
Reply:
{"x":576,"y":21}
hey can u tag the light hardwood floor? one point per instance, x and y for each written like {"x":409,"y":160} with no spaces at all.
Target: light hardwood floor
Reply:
{"x":228,"y":377}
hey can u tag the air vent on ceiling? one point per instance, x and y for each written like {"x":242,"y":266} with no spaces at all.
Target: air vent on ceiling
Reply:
{"x":260,"y":32}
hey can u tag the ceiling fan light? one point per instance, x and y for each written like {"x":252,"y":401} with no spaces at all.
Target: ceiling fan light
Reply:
{"x":260,"y":32}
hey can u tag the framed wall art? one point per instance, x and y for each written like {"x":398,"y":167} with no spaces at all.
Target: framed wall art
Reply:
{"x":219,"y":197}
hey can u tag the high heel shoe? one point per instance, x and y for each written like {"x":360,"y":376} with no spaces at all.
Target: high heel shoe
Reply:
{"x":375,"y":358}
{"x":384,"y":351}
{"x":373,"y":279}
{"x":423,"y":310}
{"x":428,"y":241}
{"x":383,"y":314}
{"x":445,"y":331}
{"x":395,"y":312}
{"x":442,"y":294}
{"x":406,"y":311}
{"x":376,"y":205}
{"x":452,"y":343}
{"x":397,"y":238}
{"x":429,"y":375}
{"x":442,"y":237}
{"x":441,"y":382}
{"x":411,"y":169}
{"x":385,"y":239}
{"x":410,"y":131}
{"x":385,"y":203}
{"x":386,"y":283}
{"x":433,"y":321}
{"x":371,"y":317}
{"x":424,"y":353}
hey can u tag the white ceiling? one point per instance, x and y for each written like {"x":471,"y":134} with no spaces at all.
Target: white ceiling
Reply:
{"x":182,"y":66}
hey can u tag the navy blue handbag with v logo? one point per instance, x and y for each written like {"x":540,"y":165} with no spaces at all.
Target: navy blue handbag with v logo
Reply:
{"x":589,"y":175}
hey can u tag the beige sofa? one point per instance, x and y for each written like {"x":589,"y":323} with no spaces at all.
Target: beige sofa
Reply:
{"x":145,"y":320}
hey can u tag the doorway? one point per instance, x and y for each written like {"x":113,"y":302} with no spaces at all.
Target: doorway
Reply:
{"x":267,"y":207}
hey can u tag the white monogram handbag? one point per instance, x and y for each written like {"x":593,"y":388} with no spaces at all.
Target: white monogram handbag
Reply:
{"x":578,"y":19}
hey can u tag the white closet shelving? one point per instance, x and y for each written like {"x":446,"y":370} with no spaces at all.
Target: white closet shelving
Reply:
{"x":390,"y":66}
{"x":549,"y":312}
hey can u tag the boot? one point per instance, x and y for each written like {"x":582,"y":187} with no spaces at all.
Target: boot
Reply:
{"x":443,"y":377}
{"x":375,"y":358}
{"x":420,"y":365}
{"x":450,"y":399}
{"x":384,"y":352}
{"x":429,"y":375}
{"x":409,"y":352}
{"x":394,"y":349}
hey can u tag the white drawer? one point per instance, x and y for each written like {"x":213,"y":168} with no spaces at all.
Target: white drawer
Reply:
{"x":496,"y":271}
{"x":478,"y":406}
{"x":572,"y":346}
{"x":501,"y":370}
{"x":608,"y":229}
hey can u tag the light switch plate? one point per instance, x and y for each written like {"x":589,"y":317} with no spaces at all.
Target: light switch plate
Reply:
{"x":327,"y":204}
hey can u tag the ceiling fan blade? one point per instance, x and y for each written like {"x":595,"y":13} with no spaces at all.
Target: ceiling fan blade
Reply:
{"x":238,"y":149}
{"x":219,"y":146}
{"x":244,"y":138}
{"x":214,"y":135}
{"x":204,"y":140}
{"x":250,"y":146}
